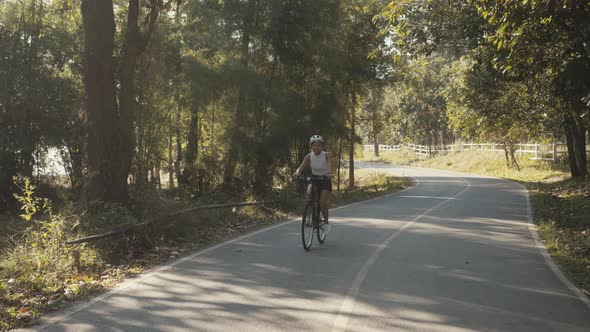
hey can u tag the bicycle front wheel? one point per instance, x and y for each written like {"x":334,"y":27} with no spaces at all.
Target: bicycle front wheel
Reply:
{"x":307,"y":226}
{"x":322,"y":232}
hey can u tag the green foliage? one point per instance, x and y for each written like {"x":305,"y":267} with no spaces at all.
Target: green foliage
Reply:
{"x":38,"y":270}
{"x":448,"y":28}
{"x":486,"y":106}
{"x":418,"y":104}
{"x":546,"y":41}
{"x":40,"y":86}
{"x":43,"y":240}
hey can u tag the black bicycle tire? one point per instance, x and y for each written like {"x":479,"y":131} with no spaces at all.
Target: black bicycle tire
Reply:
{"x":308,"y":208}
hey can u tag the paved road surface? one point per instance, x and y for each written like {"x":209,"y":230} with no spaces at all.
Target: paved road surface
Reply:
{"x":454,"y":253}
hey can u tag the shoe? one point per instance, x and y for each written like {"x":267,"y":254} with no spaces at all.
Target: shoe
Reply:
{"x":326,"y":227}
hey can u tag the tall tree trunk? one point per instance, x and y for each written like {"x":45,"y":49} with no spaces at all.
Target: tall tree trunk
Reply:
{"x":575,"y":134}
{"x":375,"y":144}
{"x":134,"y":45}
{"x":262,"y":176}
{"x":509,"y":149}
{"x":178,"y":163}
{"x":177,"y":101}
{"x":170,"y":168}
{"x":140,"y":176}
{"x":232,"y":154}
{"x":506,"y":154}
{"x":157,"y":169}
{"x":351,"y":138}
{"x":189,"y":174}
{"x":339,"y":162}
{"x":513,"y":157}
{"x":236,"y":137}
{"x":105,"y":181}
{"x":127,"y":81}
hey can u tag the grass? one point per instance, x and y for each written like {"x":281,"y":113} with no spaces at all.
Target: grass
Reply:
{"x":483,"y":163}
{"x":560,"y":204}
{"x":27,"y":293}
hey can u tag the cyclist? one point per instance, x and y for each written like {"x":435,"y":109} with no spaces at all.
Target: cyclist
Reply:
{"x":319,"y":160}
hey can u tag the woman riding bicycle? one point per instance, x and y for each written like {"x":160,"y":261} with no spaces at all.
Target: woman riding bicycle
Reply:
{"x":319,"y":160}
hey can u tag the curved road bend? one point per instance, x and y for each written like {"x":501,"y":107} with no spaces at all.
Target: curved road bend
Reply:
{"x":453,"y":253}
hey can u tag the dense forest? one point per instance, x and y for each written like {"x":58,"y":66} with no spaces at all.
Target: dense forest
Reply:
{"x":223,"y":95}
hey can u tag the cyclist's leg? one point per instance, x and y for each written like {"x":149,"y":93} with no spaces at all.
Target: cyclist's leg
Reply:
{"x":324,"y":195}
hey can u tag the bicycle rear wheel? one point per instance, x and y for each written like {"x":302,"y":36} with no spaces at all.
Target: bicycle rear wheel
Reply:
{"x":307,"y":226}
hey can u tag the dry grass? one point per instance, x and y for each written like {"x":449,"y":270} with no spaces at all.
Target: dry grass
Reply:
{"x":476,"y":162}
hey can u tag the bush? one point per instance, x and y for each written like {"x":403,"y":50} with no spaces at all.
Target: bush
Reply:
{"x":38,"y":269}
{"x":41,"y":251}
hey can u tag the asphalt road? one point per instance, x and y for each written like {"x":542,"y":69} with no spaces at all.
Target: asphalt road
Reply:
{"x":454,"y":253}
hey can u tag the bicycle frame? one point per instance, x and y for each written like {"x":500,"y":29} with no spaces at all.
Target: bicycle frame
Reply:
{"x":313,"y":195}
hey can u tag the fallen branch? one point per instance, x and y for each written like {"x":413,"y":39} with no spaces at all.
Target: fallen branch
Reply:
{"x":374,"y":186}
{"x":173,"y":214}
{"x":216,"y":206}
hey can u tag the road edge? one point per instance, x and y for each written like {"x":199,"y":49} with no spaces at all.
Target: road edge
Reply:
{"x":545,"y":253}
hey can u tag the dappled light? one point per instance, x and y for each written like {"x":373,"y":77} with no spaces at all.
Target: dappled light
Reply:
{"x":459,"y":266}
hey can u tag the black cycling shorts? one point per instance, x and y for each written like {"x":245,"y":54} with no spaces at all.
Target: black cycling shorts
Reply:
{"x":324,"y":185}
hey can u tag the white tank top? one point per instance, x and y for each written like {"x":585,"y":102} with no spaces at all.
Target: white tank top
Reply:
{"x":318,"y":163}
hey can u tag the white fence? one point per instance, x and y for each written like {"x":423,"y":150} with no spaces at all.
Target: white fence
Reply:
{"x":383,"y":147}
{"x":535,"y":150}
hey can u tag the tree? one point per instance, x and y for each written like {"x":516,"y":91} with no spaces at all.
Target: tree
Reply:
{"x":545,"y":39}
{"x":104,"y":164}
{"x":419,"y":103}
{"x":39,"y":87}
{"x":428,"y":27}
{"x":372,"y":116}
{"x":111,"y":140}
{"x":484,"y":105}
{"x":360,"y":39}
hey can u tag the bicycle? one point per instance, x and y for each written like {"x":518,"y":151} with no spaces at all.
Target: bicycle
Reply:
{"x":311,"y":222}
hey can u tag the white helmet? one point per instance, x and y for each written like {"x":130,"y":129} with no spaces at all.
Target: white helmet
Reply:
{"x":316,"y":138}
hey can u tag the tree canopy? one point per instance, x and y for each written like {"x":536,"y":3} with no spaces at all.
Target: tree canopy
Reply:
{"x":223,"y":95}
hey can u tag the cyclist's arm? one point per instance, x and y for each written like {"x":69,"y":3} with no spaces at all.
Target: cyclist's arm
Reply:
{"x":303,"y":165}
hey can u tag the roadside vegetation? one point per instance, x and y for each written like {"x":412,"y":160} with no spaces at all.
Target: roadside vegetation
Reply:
{"x":561,"y":205}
